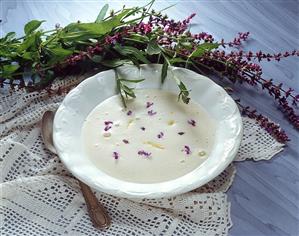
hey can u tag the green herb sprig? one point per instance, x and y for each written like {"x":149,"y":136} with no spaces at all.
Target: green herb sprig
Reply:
{"x":135,"y":36}
{"x":51,"y":54}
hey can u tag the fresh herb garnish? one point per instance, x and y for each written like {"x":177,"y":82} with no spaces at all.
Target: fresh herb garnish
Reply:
{"x":134,"y":36}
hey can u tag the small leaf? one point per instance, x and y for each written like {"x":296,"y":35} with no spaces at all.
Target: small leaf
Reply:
{"x":32,"y":25}
{"x":7,"y":70}
{"x":177,"y":60}
{"x":115,"y":62}
{"x":32,"y":41}
{"x":164,"y":71}
{"x":187,"y":44}
{"x":32,"y":56}
{"x":102,"y":13}
{"x":139,"y":37}
{"x":183,"y":87}
{"x":153,"y":48}
{"x":9,"y":36}
{"x":128,"y":50}
{"x":58,"y":54}
{"x":132,"y":80}
{"x":202,"y":48}
{"x":6,"y":52}
{"x":61,"y":52}
{"x":85,"y":31}
{"x":128,"y":91}
{"x":27,"y":56}
{"x":184,"y":93}
{"x":135,"y":61}
{"x":97,"y":58}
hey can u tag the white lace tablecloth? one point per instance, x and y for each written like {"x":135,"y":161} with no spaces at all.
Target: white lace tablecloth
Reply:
{"x":40,"y":197}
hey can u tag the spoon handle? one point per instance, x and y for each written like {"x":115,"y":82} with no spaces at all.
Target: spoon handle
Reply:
{"x":97,"y":213}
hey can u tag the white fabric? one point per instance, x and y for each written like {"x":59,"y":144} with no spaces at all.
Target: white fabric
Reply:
{"x":40,"y":197}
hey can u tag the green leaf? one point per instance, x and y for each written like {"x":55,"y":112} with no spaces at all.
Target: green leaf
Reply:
{"x":58,"y":54}
{"x":128,"y":91}
{"x":183,"y":87}
{"x":184,"y":93}
{"x":117,"y":18}
{"x":32,"y":56}
{"x":102,"y":13}
{"x":177,"y":60}
{"x":153,"y":48}
{"x":186,"y":44}
{"x":7,"y":52}
{"x":9,"y":36}
{"x":32,"y":41}
{"x":139,"y":37}
{"x":28,"y":42}
{"x":85,"y":31}
{"x":32,"y":25}
{"x":7,"y":70}
{"x":61,"y":52}
{"x":97,"y":58}
{"x":202,"y":48}
{"x":132,"y":80}
{"x":115,"y":62}
{"x":164,"y":71}
{"x":128,"y":50}
{"x":135,"y":61}
{"x":119,"y":88}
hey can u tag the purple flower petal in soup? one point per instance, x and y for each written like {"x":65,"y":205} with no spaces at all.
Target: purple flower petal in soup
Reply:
{"x":107,"y":125}
{"x":129,"y":113}
{"x":149,"y":104}
{"x":192,"y":122}
{"x":142,"y":128}
{"x":115,"y":155}
{"x":160,"y":135}
{"x":187,"y":150}
{"x":126,"y":141}
{"x":107,"y":128}
{"x":144,"y":153}
{"x":151,"y":113}
{"x":108,"y":122}
{"x":181,"y":133}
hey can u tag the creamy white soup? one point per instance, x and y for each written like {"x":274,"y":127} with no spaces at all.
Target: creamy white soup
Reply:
{"x":155,"y":139}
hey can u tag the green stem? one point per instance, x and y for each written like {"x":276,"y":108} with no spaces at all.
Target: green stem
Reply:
{"x":119,"y":88}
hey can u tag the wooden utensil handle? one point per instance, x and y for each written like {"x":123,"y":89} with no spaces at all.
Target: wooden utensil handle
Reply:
{"x":96,"y":211}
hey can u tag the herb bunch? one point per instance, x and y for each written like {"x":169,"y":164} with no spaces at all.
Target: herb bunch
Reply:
{"x":134,"y":36}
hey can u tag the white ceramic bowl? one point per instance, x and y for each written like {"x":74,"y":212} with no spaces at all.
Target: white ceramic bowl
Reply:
{"x":81,"y":100}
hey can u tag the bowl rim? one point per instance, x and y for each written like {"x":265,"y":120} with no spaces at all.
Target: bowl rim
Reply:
{"x":162,"y":191}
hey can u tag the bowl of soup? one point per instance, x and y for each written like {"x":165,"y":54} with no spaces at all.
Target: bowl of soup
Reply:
{"x":154,"y":145}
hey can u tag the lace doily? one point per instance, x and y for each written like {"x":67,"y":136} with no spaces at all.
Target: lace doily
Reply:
{"x":40,"y":197}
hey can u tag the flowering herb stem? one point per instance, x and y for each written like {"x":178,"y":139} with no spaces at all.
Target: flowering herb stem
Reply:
{"x":272,"y":128}
{"x":133,"y":36}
